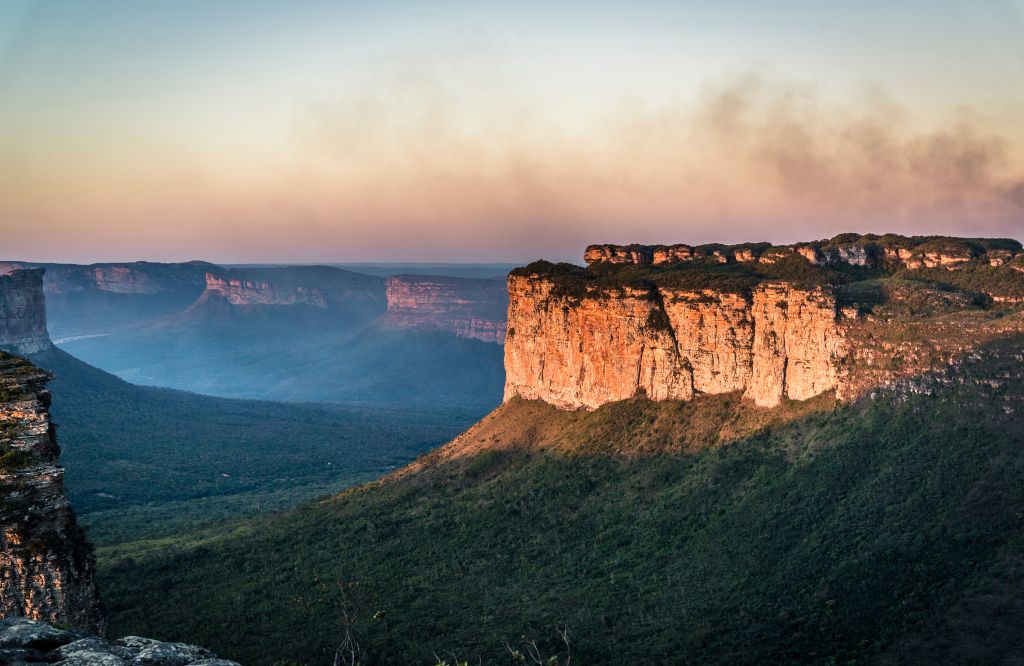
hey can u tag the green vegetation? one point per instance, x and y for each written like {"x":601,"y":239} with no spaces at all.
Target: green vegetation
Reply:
{"x":888,"y":531}
{"x":145,"y":462}
{"x":575,"y":282}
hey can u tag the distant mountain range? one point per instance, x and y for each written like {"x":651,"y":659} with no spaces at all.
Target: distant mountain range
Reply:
{"x":318,"y":333}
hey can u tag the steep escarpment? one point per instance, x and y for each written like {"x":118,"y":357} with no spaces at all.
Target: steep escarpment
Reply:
{"x":778,"y":341}
{"x":137,"y":277}
{"x":774,"y":323}
{"x":23,"y":312}
{"x":100,"y":299}
{"x":468,"y":307}
{"x":46,"y":565}
{"x":316,"y":286}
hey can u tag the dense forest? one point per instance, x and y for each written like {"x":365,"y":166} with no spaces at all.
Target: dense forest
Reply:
{"x":886,"y":531}
{"x":143,"y":462}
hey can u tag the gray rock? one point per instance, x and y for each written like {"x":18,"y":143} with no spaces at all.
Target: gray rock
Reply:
{"x":170,"y":654}
{"x":136,"y":641}
{"x":19,"y":632}
{"x":214,"y":662}
{"x":19,"y":657}
{"x":93,"y":652}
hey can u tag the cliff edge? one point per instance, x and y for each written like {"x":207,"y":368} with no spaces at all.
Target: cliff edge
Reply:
{"x":23,"y":312}
{"x":773,"y":323}
{"x":46,"y":565}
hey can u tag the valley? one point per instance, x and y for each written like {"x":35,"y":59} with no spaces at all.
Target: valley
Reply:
{"x":702,"y":454}
{"x":858,"y":534}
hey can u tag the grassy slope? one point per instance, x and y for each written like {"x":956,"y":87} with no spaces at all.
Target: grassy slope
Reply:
{"x":143,"y":461}
{"x":888,"y":531}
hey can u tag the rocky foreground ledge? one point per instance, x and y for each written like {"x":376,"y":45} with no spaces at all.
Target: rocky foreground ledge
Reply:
{"x":24,"y":642}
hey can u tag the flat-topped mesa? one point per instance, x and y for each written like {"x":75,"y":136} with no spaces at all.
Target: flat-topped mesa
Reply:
{"x":23,"y":312}
{"x":317,"y":286}
{"x":890,"y":251}
{"x":249,"y":291}
{"x":778,"y":342}
{"x":773,"y":323}
{"x":47,"y":567}
{"x":467,"y":307}
{"x":136,"y":277}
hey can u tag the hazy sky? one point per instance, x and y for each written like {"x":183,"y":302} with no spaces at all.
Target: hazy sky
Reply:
{"x":487,"y":131}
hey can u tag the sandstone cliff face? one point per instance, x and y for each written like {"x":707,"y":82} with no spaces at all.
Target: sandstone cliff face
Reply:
{"x":46,"y":566}
{"x":608,"y":345}
{"x":242,"y":291}
{"x":23,"y":312}
{"x":770,"y":323}
{"x":798,"y":344}
{"x":320,"y":287}
{"x":467,"y":307}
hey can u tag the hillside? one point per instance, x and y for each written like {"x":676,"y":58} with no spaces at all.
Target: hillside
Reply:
{"x":317,"y":333}
{"x":883,"y":531}
{"x":143,"y":461}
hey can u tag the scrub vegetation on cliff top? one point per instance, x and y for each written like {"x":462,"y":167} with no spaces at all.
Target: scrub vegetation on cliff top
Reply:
{"x":707,"y":271}
{"x":887,"y":531}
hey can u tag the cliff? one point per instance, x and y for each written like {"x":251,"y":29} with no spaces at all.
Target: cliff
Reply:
{"x":784,"y":323}
{"x":316,"y":286}
{"x":138,"y":277}
{"x":467,"y":307}
{"x":780,"y":341}
{"x":23,"y":312}
{"x":46,"y":565}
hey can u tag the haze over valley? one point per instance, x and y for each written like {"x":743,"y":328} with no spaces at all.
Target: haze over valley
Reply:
{"x":558,"y":334}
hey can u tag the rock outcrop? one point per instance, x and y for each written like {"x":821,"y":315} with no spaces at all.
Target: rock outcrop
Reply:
{"x":23,"y":312}
{"x":610,"y":344}
{"x":467,"y":307}
{"x":24,"y":641}
{"x":869,"y":251}
{"x":774,"y":323}
{"x":247,"y":291}
{"x":46,"y":566}
{"x":139,"y":277}
{"x":316,"y":286}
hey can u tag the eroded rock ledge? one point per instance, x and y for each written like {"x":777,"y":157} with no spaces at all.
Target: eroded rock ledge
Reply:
{"x":23,"y":311}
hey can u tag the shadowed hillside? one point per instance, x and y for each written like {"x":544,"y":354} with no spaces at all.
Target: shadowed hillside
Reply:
{"x":143,"y":461}
{"x":863,"y":534}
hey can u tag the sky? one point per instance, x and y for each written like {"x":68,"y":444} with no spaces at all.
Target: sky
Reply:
{"x":307,"y":131}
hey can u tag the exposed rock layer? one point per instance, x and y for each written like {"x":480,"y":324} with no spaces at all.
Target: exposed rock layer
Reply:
{"x":23,"y":312}
{"x":139,"y":277}
{"x":467,"y":307}
{"x":889,"y":251}
{"x":316,"y":286}
{"x":790,"y":322}
{"x":45,"y":563}
{"x":669,"y":344}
